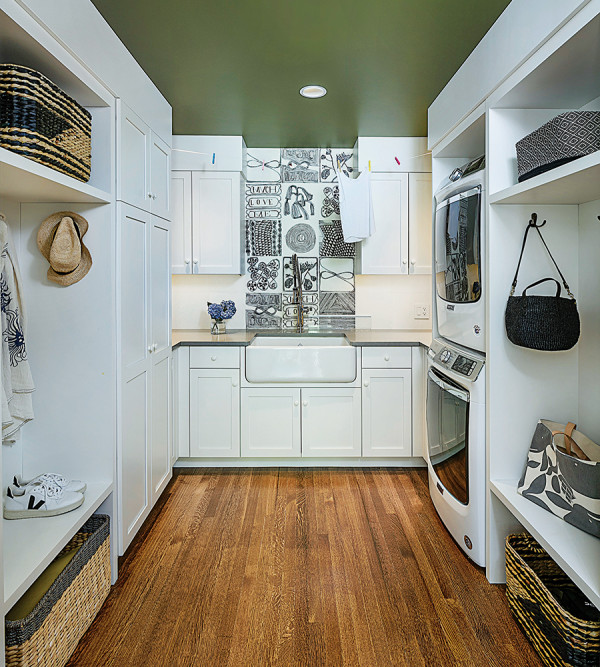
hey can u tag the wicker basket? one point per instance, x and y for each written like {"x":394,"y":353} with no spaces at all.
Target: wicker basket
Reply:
{"x":49,"y":634}
{"x":41,"y":122}
{"x":533,"y":581}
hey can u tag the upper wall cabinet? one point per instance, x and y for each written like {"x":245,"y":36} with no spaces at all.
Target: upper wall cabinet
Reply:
{"x":387,"y":250}
{"x":401,"y":243}
{"x":206,"y":222}
{"x":145,"y":165}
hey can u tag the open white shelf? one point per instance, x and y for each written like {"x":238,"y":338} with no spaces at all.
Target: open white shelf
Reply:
{"x":24,"y":180}
{"x":30,"y":545}
{"x":576,"y":182}
{"x":576,"y":552}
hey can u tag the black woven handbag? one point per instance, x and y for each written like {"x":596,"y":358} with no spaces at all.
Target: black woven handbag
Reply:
{"x":548,"y":323}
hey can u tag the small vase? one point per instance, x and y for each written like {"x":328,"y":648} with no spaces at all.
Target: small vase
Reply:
{"x":218,"y":327}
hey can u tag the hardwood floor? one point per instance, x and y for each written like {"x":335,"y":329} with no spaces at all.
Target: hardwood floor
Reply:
{"x":302,"y":567}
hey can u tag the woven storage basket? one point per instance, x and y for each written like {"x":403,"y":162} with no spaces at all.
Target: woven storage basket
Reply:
{"x":41,"y":122}
{"x":49,"y":634}
{"x":559,"y":637}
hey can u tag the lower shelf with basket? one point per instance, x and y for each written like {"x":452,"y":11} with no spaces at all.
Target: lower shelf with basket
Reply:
{"x":45,"y":626}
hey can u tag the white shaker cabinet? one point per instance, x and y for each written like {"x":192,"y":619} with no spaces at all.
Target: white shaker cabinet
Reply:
{"x":331,"y":422}
{"x":144,"y":161}
{"x":207,"y":222}
{"x":215,"y":412}
{"x":420,"y":222}
{"x":387,"y":412}
{"x":144,"y":456}
{"x":271,"y":422}
{"x":386,"y":251}
{"x":181,"y":209}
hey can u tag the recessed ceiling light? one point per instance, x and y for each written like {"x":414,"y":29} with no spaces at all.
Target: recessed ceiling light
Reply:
{"x":313,"y":91}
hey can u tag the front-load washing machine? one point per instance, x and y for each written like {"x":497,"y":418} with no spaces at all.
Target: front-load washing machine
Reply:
{"x":456,"y":443}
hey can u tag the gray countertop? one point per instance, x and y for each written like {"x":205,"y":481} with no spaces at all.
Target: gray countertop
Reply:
{"x":358,"y":337}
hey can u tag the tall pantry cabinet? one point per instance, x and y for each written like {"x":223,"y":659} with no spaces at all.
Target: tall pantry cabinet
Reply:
{"x":144,"y":231}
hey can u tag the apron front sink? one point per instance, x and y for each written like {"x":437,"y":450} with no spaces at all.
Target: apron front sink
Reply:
{"x":299,"y":359}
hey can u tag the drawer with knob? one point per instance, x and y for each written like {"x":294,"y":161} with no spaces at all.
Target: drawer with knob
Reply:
{"x":386,"y":357}
{"x":218,"y":356}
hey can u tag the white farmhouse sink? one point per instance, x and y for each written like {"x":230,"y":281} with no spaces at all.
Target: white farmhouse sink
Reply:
{"x":294,"y":359}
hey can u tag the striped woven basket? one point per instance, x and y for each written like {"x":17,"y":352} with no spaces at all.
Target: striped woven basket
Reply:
{"x":41,"y":122}
{"x":50,"y":633}
{"x":560,"y":637}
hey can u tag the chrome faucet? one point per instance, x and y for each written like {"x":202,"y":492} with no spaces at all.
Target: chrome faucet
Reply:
{"x":297,"y":294}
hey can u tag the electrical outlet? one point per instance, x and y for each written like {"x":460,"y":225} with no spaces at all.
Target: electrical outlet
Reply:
{"x":421,"y":311}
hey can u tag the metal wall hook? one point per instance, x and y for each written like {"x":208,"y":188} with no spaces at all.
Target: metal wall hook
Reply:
{"x":534,"y":223}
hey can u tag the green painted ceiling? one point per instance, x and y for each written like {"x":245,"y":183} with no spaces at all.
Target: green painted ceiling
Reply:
{"x":235,"y":66}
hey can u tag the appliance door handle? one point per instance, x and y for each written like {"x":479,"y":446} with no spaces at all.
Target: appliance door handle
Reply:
{"x":451,"y":389}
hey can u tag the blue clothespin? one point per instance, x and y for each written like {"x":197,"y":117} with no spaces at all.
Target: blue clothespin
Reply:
{"x":213,"y":160}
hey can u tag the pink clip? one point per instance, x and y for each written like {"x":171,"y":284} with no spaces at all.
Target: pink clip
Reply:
{"x":263,"y":167}
{"x":397,"y":160}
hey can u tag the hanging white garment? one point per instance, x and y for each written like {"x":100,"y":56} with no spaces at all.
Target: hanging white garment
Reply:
{"x":17,"y":383}
{"x":356,"y":207}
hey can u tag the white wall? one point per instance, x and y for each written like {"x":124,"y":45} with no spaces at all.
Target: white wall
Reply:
{"x":589,"y":312}
{"x":390,"y":300}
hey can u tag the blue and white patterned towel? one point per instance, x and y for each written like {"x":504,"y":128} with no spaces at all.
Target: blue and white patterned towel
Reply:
{"x":17,"y":383}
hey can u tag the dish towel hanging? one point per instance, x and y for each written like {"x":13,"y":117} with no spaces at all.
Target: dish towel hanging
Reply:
{"x":17,"y":383}
{"x":356,"y":207}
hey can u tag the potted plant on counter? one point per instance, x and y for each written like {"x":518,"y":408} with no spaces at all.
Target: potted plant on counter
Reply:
{"x":219,"y":312}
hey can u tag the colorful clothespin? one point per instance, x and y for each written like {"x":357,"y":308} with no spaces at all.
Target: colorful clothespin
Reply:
{"x":263,"y":167}
{"x":397,"y":160}
{"x":369,"y":165}
{"x":213,"y":160}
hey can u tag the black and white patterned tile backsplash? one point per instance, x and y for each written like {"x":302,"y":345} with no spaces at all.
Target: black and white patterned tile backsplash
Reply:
{"x":292,"y":206}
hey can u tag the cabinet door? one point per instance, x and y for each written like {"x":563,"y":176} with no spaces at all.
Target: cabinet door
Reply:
{"x":331,"y":422}
{"x":386,"y":412}
{"x":271,"y":422}
{"x":133,"y":160}
{"x":160,"y":433}
{"x":216,"y":223}
{"x":160,"y":286}
{"x":134,"y":463}
{"x":160,"y":177}
{"x":420,"y":222}
{"x":215,"y":412}
{"x":181,"y":231}
{"x":386,"y":251}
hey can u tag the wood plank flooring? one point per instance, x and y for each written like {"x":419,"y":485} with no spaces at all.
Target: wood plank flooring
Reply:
{"x":300,"y":567}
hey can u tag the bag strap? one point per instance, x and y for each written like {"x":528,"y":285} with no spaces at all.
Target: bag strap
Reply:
{"x":571,"y":447}
{"x":534,"y":224}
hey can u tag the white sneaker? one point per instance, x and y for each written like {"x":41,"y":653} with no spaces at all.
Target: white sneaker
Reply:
{"x":40,"y":500}
{"x":53,"y":478}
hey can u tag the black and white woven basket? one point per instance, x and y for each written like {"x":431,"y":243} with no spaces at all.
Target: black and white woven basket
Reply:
{"x":566,"y":137}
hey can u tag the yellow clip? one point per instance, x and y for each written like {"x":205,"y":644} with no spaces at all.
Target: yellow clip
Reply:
{"x":369,"y":165}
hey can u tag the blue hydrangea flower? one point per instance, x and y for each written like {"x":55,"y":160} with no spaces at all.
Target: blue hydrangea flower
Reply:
{"x":222,"y":311}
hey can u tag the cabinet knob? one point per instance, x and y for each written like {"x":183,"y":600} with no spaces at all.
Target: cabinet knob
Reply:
{"x":155,"y":347}
{"x":150,"y":349}
{"x":187,"y":261}
{"x":366,"y":383}
{"x":153,"y":196}
{"x":304,"y":403}
{"x":296,"y":403}
{"x":413,"y":262}
{"x":149,"y":195}
{"x":234,"y":383}
{"x":195,"y":261}
{"x":213,"y":358}
{"x":387,"y":357}
{"x":404,"y":261}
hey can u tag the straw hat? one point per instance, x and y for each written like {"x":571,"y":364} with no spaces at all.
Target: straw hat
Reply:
{"x":59,"y":239}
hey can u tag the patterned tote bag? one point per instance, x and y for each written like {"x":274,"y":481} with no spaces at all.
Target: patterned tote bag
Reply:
{"x":562,"y":475}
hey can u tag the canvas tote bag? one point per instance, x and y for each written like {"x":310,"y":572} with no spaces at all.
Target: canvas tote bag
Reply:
{"x":562,"y":475}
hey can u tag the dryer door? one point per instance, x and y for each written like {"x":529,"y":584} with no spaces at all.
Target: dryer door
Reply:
{"x":447,"y":433}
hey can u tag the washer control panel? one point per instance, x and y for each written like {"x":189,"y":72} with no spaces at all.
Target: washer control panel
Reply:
{"x":456,"y":360}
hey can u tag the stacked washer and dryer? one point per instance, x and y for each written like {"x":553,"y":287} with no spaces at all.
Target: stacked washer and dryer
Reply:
{"x":456,"y":363}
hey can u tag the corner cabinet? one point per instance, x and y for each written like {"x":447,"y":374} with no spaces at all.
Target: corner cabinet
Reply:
{"x":207,"y":215}
{"x":402,"y":208}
